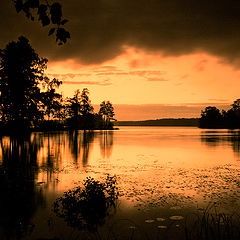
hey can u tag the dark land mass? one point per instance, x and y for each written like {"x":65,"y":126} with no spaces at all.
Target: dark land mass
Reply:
{"x":187,"y":122}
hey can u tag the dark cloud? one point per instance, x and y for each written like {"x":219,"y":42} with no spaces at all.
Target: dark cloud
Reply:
{"x":100,"y":28}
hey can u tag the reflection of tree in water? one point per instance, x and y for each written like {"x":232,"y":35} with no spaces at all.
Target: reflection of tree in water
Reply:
{"x":19,"y":196}
{"x":80,"y":143}
{"x":53,"y":142}
{"x":214,"y":139}
{"x":106,"y":143}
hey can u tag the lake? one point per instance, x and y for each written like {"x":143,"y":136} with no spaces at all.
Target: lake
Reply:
{"x":165,"y":176}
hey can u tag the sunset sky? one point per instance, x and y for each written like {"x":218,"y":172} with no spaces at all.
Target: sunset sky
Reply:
{"x":150,"y":58}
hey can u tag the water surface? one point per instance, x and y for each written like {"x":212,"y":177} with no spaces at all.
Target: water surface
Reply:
{"x":164,"y":174}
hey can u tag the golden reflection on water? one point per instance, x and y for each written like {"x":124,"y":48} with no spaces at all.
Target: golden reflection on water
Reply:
{"x":161,"y":172}
{"x":154,"y":165}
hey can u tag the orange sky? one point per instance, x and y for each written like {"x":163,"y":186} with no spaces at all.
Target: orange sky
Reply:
{"x":179,"y":54}
{"x":139,"y":77}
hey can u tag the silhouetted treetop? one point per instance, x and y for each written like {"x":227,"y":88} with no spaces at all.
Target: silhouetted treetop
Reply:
{"x":211,"y":117}
{"x":107,"y":112}
{"x":21,"y":70}
{"x":22,"y":102}
{"x":48,"y":13}
{"x":236,"y":105}
{"x":52,"y":101}
{"x":85,"y":103}
{"x":106,"y":109}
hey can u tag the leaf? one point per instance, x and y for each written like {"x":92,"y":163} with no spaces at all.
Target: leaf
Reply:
{"x":18,"y":5}
{"x":64,"y":21}
{"x":42,"y":9}
{"x":52,"y":30}
{"x":45,"y":20}
{"x":32,"y":3}
{"x":62,"y":35}
{"x":56,"y":13}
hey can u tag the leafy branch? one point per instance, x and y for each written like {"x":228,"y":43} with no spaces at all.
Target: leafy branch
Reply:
{"x":48,"y":14}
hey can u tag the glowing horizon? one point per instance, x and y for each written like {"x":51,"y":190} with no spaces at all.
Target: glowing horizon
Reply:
{"x":137,"y":77}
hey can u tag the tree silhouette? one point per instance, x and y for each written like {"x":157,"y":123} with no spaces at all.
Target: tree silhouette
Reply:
{"x":211,"y":118}
{"x":21,"y":72}
{"x":51,"y":99}
{"x":107,"y":112}
{"x":47,"y":13}
{"x":80,"y":110}
{"x":74,"y":105}
{"x":85,"y":104}
{"x":232,"y":116}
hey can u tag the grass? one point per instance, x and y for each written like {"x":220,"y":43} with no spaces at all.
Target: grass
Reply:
{"x":212,"y":224}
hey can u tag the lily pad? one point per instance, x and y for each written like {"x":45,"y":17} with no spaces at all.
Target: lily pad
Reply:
{"x":149,"y":221}
{"x":162,"y":227}
{"x":176,"y":217}
{"x":132,"y":227}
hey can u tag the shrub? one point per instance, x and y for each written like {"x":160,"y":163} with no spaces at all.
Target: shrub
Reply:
{"x":89,"y":205}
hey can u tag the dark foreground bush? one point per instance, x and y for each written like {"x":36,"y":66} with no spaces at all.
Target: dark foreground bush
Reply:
{"x":89,"y":205}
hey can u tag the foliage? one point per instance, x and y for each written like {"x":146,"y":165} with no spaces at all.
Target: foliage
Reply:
{"x":80,"y":110}
{"x":52,"y":101}
{"x":106,"y":111}
{"x":22,"y":103}
{"x":88,"y":206}
{"x":48,"y":13}
{"x":21,"y":71}
{"x":74,"y":105}
{"x":85,"y":103}
{"x":211,"y":117}
{"x":28,"y":97}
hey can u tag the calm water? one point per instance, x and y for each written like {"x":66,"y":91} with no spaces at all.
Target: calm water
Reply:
{"x":164,"y":175}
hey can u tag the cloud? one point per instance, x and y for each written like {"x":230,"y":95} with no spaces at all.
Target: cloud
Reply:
{"x":205,"y":104}
{"x":107,"y":68}
{"x":68,"y":75}
{"x":112,"y":73}
{"x":184,"y":76}
{"x":200,"y":66}
{"x":104,"y":83}
{"x":137,"y":73}
{"x":100,"y":28}
{"x":157,"y":79}
{"x":218,"y":99}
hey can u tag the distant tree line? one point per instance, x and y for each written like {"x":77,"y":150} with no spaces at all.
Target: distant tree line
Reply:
{"x":212,"y":117}
{"x":29,"y":99}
